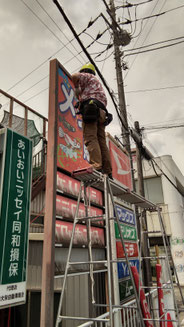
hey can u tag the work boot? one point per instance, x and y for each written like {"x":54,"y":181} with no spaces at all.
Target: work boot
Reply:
{"x":110,"y":176}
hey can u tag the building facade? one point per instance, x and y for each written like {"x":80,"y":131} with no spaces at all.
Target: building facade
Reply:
{"x":164,"y":185}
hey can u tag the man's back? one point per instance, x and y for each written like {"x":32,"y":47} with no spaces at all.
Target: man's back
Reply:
{"x":90,"y":87}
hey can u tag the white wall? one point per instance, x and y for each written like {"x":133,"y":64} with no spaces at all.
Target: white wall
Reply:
{"x":174,"y":202}
{"x":175,"y":208}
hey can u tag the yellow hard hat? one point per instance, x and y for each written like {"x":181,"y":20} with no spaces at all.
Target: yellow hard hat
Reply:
{"x":87,"y":67}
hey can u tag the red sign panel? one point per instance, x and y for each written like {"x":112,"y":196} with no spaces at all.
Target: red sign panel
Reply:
{"x":64,"y":232}
{"x":121,"y":169}
{"x":71,"y":154}
{"x":131,"y":248}
{"x":144,"y":304}
{"x":160,"y":295}
{"x":72,"y":186}
{"x":169,"y":320}
{"x":66,"y":208}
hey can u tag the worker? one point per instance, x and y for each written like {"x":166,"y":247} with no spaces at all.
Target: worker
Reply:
{"x":92,"y":106}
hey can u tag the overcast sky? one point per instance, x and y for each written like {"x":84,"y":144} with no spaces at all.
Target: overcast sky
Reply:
{"x":29,"y":38}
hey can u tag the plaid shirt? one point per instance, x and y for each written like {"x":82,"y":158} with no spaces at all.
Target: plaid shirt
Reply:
{"x":90,"y":87}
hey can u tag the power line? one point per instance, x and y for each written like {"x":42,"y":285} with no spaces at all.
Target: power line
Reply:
{"x":146,"y":34}
{"x":149,"y":50}
{"x":56,"y":25}
{"x":128,"y":4}
{"x":55,"y":53}
{"x":152,"y":129}
{"x":170,"y":181}
{"x":155,"y":43}
{"x":49,"y":29}
{"x":156,"y":89}
{"x":90,"y":59}
{"x":152,"y":16}
{"x":107,"y":57}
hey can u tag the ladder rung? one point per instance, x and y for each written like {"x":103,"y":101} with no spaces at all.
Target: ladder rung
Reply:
{"x":153,"y":258}
{"x":91,"y":217}
{"x":87,"y":262}
{"x":157,"y":287}
{"x":151,"y":232}
{"x":83,"y":318}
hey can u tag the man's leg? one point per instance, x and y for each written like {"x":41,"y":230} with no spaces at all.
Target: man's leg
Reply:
{"x":91,"y":141}
{"x":106,"y":161}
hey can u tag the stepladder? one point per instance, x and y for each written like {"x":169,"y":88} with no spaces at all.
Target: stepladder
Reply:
{"x":112,"y":307}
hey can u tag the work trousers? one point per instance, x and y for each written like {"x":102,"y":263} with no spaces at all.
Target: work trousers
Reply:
{"x":95,"y":141}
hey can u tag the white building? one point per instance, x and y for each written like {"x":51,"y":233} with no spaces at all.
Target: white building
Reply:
{"x":160,"y":190}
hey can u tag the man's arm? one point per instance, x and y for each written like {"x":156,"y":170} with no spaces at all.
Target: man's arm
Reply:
{"x":75,"y":80}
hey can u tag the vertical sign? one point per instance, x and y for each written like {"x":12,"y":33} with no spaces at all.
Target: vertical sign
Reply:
{"x":14,"y":217}
{"x":143,"y":302}
{"x":127,"y":224}
{"x":71,"y":152}
{"x":121,"y":169}
{"x":160,"y":295}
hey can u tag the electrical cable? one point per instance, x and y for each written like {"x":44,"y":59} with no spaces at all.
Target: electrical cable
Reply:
{"x":167,"y":177}
{"x":156,"y":89}
{"x":152,"y":16}
{"x":56,"y":25}
{"x":134,"y":4}
{"x":135,"y":22}
{"x":45,"y":61}
{"x":157,"y":123}
{"x":105,"y":58}
{"x":90,"y":24}
{"x":139,"y":33}
{"x":149,"y":50}
{"x":130,"y":21}
{"x":155,"y":43}
{"x":107,"y":48}
{"x":162,"y":127}
{"x":163,"y":163}
{"x":90,"y":59}
{"x":49,"y":29}
{"x":40,"y":65}
{"x":146,"y":34}
{"x":99,"y":35}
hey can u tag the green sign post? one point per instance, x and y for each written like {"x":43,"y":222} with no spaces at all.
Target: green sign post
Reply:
{"x":16,"y":173}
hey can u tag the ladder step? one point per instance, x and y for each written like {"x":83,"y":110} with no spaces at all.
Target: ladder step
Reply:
{"x":151,"y":232}
{"x":102,"y":217}
{"x":153,"y":258}
{"x":87,"y":262}
{"x":156,"y":287}
{"x":83,"y":318}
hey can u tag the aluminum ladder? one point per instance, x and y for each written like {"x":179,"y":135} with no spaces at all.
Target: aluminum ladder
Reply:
{"x":90,"y":177}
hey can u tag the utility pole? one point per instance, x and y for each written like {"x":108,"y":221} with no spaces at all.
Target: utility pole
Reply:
{"x":121,"y":38}
{"x":144,"y":239}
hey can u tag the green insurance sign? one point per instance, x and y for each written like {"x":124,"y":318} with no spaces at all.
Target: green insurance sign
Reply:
{"x":129,"y":232}
{"x":16,"y":173}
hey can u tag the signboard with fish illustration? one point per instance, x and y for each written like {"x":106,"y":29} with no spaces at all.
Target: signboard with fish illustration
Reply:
{"x":71,"y":151}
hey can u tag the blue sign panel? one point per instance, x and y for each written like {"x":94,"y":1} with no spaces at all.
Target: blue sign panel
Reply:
{"x":125,"y":215}
{"x":123,"y":270}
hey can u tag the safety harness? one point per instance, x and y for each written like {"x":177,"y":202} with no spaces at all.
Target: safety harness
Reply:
{"x":89,"y":109}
